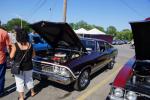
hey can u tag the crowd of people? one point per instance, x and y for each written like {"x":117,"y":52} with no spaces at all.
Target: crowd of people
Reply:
{"x":16,"y":43}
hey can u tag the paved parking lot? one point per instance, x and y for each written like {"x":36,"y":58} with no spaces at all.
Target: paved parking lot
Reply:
{"x":97,"y":90}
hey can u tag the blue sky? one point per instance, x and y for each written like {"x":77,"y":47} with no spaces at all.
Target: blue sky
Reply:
{"x":103,"y":13}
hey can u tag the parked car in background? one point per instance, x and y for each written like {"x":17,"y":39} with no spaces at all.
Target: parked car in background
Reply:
{"x":126,"y":41}
{"x":133,"y":80}
{"x":70,"y":59}
{"x":113,"y":42}
{"x":120,"y":42}
{"x":117,"y":42}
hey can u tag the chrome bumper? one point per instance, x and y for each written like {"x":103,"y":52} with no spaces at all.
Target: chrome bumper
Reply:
{"x":53,"y":77}
{"x":111,"y":97}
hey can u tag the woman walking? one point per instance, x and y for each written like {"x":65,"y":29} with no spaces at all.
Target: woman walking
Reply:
{"x":18,"y":50}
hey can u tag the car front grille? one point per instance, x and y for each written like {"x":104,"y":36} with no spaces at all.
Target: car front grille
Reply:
{"x":43,"y":67}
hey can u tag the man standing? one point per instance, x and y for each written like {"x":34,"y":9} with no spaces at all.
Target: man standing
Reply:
{"x":5,"y":45}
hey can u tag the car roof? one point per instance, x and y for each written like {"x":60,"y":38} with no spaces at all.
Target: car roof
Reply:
{"x":93,"y":39}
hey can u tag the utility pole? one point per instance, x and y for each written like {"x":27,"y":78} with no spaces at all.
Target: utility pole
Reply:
{"x":20,"y":18}
{"x":65,"y":10}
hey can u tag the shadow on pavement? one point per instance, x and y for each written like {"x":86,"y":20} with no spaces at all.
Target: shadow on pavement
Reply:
{"x":10,"y":89}
{"x":45,"y":83}
{"x":37,"y":88}
{"x":99,"y":72}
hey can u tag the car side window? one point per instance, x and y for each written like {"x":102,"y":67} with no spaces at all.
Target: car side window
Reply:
{"x":90,"y":44}
{"x":108,"y":46}
{"x":97,"y":47}
{"x":101,"y":46}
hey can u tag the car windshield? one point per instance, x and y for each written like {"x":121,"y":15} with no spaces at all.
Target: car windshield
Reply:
{"x":90,"y":45}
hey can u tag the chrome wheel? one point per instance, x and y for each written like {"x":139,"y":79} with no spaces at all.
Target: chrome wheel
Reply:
{"x":84,"y":79}
{"x":111,"y":64}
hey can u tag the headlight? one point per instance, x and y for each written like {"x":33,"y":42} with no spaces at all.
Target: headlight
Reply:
{"x":61,"y":71}
{"x":56,"y":69}
{"x":64,"y":72}
{"x":118,"y":92}
{"x":131,"y":95}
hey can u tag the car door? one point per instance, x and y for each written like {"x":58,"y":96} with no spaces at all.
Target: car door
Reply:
{"x":101,"y":57}
{"x":109,"y":51}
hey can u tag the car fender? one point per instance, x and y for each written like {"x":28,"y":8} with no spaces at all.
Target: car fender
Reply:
{"x":124,"y":74}
{"x":77,"y":73}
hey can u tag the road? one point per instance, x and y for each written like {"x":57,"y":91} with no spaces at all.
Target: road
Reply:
{"x":98,"y":89}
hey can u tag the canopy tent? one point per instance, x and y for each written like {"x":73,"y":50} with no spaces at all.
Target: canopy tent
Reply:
{"x":84,"y":33}
{"x":95,"y":31}
{"x":81,"y":31}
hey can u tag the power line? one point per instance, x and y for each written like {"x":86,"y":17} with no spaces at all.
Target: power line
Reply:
{"x":149,"y":0}
{"x":34,"y":7}
{"x":40,"y":4}
{"x":131,"y":8}
{"x":39,"y":7}
{"x":54,"y":4}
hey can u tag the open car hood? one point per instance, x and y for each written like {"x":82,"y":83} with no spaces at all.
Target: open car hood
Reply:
{"x":58,"y":33}
{"x":141,"y":35}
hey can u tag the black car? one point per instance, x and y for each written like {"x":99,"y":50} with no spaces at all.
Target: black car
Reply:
{"x":70,"y":59}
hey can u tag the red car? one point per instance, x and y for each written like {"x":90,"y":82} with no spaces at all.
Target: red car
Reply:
{"x":133,"y":80}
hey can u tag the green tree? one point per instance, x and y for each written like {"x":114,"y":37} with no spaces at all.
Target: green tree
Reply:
{"x":83,"y":24}
{"x":119,"y":36}
{"x":17,"y":22}
{"x":111,"y":30}
{"x":72,"y":25}
{"x":125,"y":34}
{"x":99,"y":28}
{"x":4,"y":26}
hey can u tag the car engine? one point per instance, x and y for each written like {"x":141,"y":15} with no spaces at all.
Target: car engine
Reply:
{"x":140,"y":80}
{"x":58,"y":56}
{"x":142,"y":72}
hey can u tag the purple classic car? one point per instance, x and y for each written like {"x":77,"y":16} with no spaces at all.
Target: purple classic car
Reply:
{"x":133,"y":80}
{"x":70,"y":59}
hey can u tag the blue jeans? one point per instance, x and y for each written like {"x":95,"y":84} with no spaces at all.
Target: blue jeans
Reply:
{"x":2,"y":77}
